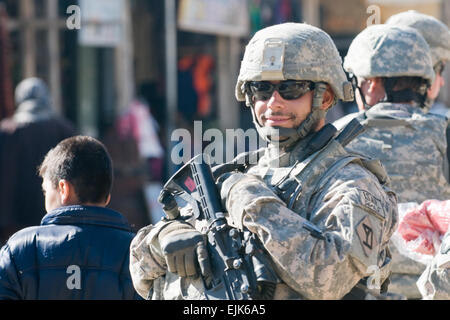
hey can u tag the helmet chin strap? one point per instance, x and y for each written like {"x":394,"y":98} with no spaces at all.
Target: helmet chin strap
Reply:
{"x":363,"y":99}
{"x":291,"y":135}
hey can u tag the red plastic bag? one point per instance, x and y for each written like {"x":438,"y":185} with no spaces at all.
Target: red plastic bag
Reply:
{"x":425,"y":225}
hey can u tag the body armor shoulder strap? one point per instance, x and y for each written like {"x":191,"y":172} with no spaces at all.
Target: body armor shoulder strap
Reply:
{"x":309,"y":176}
{"x":379,"y":119}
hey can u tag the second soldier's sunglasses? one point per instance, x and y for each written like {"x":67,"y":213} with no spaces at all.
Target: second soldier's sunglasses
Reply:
{"x":288,"y":89}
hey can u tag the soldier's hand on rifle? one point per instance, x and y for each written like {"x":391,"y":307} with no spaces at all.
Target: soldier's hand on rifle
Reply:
{"x":184,"y":250}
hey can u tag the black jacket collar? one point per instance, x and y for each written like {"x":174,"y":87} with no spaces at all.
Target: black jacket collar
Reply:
{"x":78,"y":214}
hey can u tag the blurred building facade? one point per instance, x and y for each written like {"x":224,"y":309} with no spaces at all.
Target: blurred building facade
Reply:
{"x":179,"y":58}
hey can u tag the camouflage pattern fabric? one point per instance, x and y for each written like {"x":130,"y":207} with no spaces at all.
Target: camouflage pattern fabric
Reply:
{"x":389,"y":51}
{"x":293,"y":51}
{"x":434,"y":283}
{"x":356,"y":213}
{"x":436,"y":33}
{"x":344,"y":195}
{"x":411,"y":146}
{"x":148,"y":268}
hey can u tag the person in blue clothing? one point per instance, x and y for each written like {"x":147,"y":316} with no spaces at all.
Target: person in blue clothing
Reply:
{"x":81,"y":248}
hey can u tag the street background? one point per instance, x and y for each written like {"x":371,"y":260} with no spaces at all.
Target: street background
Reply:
{"x":130,"y":72}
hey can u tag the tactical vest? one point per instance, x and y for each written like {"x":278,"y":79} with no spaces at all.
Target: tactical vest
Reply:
{"x":296,"y":185}
{"x":413,"y":151}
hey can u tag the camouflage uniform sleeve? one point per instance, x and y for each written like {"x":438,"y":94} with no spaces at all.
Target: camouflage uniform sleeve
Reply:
{"x":357,"y":219}
{"x":434,"y":283}
{"x":146,"y":260}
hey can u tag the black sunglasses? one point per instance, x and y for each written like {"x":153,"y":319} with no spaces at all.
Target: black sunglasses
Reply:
{"x":439,"y":67}
{"x":288,"y":89}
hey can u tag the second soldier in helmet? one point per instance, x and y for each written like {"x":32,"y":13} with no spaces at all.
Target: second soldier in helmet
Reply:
{"x":392,"y":68}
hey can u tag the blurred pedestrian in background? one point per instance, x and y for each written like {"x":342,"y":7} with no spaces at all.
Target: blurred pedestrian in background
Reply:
{"x":138,"y":156}
{"x":26,"y":137}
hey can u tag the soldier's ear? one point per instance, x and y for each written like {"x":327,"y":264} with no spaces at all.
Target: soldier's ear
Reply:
{"x":328,"y":98}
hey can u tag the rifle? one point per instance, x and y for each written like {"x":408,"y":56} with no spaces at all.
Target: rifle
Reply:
{"x":241,"y":270}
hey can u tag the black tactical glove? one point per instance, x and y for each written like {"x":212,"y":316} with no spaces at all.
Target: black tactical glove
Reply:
{"x":184,"y":250}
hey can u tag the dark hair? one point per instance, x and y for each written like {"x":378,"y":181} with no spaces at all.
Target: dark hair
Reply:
{"x":405,"y":89}
{"x":84,"y":162}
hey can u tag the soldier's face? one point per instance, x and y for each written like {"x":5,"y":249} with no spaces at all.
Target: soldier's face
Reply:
{"x":278,"y":112}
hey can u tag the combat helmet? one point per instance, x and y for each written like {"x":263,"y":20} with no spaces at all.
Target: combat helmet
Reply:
{"x":390,"y":51}
{"x":293,"y":51}
{"x":435,"y":33}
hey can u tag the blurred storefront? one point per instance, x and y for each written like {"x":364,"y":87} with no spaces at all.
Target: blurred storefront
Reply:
{"x":39,"y":44}
{"x":82,"y":74}
{"x":187,"y":55}
{"x":181,"y":56}
{"x":6,"y":89}
{"x":110,"y":62}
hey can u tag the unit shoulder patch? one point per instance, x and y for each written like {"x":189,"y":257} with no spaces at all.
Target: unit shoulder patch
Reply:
{"x":366,"y":235}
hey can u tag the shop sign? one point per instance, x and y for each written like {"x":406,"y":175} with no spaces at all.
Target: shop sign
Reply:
{"x":101,"y":23}
{"x":221,"y":17}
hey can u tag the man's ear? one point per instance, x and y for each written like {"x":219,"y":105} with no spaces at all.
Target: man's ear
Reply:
{"x":328,"y":98}
{"x":108,"y":200}
{"x":66,"y":191}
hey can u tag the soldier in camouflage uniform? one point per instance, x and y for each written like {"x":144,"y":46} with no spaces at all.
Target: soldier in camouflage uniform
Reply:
{"x":290,"y":75}
{"x":434,"y":283}
{"x":437,"y":35}
{"x":391,"y":66}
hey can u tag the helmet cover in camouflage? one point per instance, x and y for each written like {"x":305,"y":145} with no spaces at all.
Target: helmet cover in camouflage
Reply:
{"x":436,"y":33}
{"x":294,"y":51}
{"x":389,"y":51}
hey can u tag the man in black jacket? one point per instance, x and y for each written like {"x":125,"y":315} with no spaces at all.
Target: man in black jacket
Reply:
{"x":81,"y":248}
